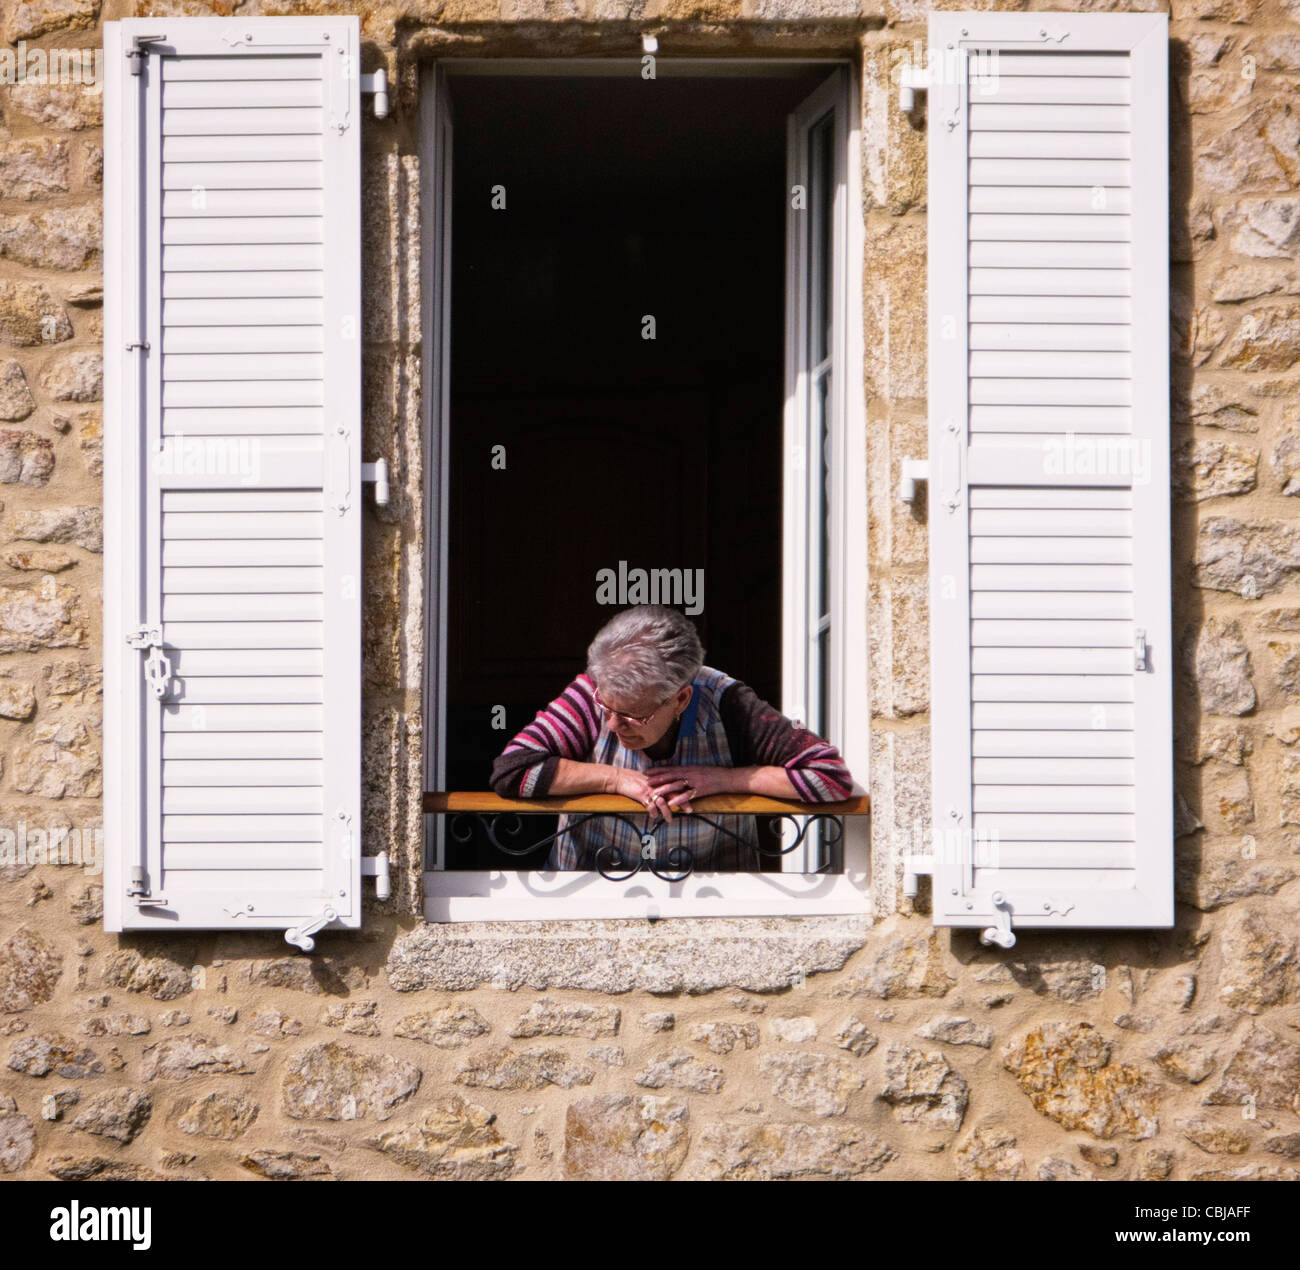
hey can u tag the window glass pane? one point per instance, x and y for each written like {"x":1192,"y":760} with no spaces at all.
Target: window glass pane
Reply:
{"x":819,"y":570}
{"x":820,"y":344}
{"x":824,"y":452}
{"x":822,"y":203}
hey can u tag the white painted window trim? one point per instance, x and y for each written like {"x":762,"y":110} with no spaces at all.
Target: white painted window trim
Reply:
{"x":801,"y":502}
{"x":517,"y":895}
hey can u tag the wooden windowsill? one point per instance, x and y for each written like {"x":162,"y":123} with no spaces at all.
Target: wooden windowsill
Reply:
{"x":439,"y":803}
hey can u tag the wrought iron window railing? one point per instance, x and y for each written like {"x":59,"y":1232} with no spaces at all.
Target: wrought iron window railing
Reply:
{"x":501,"y":819}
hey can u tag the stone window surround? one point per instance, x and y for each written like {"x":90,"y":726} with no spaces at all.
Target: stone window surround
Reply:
{"x":754,"y":37}
{"x":760,"y":954}
{"x":673,"y":955}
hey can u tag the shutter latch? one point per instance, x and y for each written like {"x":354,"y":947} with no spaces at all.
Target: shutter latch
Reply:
{"x":301,"y":936}
{"x":1141,"y":661}
{"x":157,"y":666}
{"x":1001,"y":934}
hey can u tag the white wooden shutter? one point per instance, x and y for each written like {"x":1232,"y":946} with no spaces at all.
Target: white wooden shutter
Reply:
{"x":1049,"y":489}
{"x":232,"y":474}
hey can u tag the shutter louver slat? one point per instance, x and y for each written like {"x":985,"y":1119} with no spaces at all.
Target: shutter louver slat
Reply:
{"x":276,"y":148}
{"x":185,"y":258}
{"x":245,"y":176}
{"x":1061,"y":744}
{"x":242,"y":718}
{"x":1046,"y":771}
{"x":225,"y":745}
{"x":1040,"y":118}
{"x":1051,"y":749}
{"x":214,"y":93}
{"x":251,"y":230}
{"x":281,"y":120}
{"x":264,"y":637}
{"x":249,"y":532}
{"x":276,"y":772}
{"x":272,"y":67}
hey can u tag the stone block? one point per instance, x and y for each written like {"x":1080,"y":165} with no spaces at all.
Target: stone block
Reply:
{"x":30,"y":969}
{"x":32,"y":168}
{"x":778,"y":1150}
{"x":336,"y":1082}
{"x":617,"y":1137}
{"x":1066,"y":1071}
{"x":63,"y":238}
{"x":453,"y":1141}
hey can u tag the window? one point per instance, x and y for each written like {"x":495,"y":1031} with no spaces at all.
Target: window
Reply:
{"x":570,"y":205}
{"x":233,"y":473}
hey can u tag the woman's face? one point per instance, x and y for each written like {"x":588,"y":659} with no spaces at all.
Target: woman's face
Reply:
{"x":631,"y":732}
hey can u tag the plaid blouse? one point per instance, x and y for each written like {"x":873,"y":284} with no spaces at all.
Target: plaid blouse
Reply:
{"x":725,"y":725}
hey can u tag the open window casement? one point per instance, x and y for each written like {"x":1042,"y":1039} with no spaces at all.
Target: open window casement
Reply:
{"x":1049,"y":482}
{"x":818,"y":475}
{"x":232,"y":480}
{"x":823,"y":529}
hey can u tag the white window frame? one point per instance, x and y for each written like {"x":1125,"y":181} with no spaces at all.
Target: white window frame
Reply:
{"x":806,"y":483}
{"x":532,"y":895}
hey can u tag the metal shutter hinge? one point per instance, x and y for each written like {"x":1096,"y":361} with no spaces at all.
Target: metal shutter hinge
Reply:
{"x":913,"y":867}
{"x":1141,"y":653}
{"x":912,"y":79}
{"x":377,"y":84}
{"x":139,"y":50}
{"x":376,"y":866}
{"x":377,"y":472}
{"x":138,"y":890}
{"x":913,"y":470}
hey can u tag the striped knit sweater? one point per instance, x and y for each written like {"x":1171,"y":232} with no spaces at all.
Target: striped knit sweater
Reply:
{"x":758,"y":735}
{"x":746,"y":731}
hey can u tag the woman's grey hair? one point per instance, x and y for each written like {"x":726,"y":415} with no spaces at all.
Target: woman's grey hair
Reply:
{"x":647,"y":651}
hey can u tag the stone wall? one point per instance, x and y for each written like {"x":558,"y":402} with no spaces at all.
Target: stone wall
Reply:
{"x":762,"y":1048}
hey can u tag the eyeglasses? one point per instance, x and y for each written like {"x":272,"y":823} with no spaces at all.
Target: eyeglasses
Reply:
{"x":639,"y":720}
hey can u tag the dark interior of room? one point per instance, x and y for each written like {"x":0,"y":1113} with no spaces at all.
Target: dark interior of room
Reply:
{"x":623,"y":198}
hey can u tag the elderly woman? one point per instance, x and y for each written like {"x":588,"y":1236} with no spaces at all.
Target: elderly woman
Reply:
{"x":650,"y":721}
